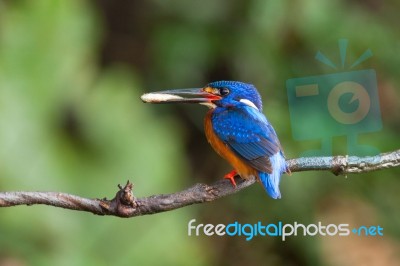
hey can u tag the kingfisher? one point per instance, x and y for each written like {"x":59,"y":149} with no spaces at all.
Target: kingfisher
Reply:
{"x":237,"y":129}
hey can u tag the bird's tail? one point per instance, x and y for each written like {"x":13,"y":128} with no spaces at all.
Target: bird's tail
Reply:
{"x":271,"y":181}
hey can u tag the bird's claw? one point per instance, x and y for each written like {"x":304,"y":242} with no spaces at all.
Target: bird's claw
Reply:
{"x":231,"y":176}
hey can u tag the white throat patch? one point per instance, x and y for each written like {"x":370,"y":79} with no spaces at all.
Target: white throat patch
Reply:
{"x":209,"y":105}
{"x":249,"y":103}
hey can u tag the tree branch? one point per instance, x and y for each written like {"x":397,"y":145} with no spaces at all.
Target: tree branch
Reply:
{"x":124,"y":204}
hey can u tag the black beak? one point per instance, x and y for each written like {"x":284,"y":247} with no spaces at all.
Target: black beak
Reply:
{"x":197,"y":95}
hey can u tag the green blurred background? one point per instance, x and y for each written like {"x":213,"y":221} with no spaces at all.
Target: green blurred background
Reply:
{"x":71,"y":120}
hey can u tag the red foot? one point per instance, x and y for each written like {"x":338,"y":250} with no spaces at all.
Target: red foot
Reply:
{"x":231,"y":176}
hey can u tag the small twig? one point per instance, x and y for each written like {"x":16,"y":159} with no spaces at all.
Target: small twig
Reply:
{"x":124,"y":204}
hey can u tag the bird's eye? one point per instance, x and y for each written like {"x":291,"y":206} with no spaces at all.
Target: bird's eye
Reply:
{"x":223,"y":91}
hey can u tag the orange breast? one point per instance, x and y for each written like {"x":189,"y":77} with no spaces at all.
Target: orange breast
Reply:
{"x":225,"y":152}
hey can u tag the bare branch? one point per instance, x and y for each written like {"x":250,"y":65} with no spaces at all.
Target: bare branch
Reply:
{"x":124,"y":204}
{"x":343,"y":165}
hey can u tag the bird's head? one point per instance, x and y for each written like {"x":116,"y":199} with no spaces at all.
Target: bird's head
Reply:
{"x":226,"y":94}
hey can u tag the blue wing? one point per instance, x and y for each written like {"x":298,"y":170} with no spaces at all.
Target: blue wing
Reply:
{"x":249,"y":134}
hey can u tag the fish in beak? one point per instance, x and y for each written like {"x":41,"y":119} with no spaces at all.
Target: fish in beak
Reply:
{"x":196,"y":95}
